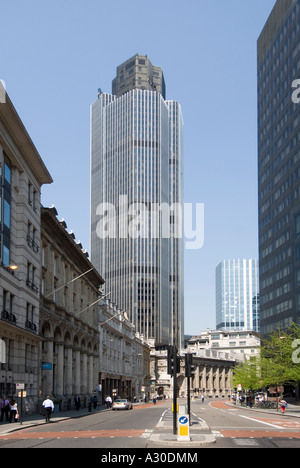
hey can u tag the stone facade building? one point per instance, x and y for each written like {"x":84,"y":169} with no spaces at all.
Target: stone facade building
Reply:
{"x":212,"y":377}
{"x":69,"y":315}
{"x":124,"y":355}
{"x":22,"y":173}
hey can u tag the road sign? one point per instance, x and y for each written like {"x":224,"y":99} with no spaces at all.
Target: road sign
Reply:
{"x":183,"y":428}
{"x":20,"y":386}
{"x":183,"y":420}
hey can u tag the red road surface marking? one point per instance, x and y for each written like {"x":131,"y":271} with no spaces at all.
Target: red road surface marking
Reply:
{"x":260,"y":434}
{"x":72,"y":434}
{"x":282,"y":423}
{"x":221,"y":405}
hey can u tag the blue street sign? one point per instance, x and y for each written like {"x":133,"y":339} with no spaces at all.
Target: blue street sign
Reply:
{"x":183,"y":420}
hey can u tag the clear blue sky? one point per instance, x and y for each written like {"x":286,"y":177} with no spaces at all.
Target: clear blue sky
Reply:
{"x":56,"y":54}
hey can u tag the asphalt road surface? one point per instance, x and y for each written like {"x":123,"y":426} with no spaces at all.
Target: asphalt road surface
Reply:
{"x":109,"y":430}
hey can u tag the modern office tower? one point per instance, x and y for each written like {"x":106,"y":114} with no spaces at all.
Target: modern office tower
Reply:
{"x":136,"y":199}
{"x":138,"y":73}
{"x":237,"y":295}
{"x":279,"y":167}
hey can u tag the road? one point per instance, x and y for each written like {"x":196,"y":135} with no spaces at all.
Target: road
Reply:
{"x":248,"y":428}
{"x":231,"y":427}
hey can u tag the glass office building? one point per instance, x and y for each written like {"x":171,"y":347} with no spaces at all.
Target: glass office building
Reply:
{"x":136,"y":180}
{"x":279,"y":167}
{"x":237,"y":295}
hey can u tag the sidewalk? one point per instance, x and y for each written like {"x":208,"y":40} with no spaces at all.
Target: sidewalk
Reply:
{"x":292,"y":410}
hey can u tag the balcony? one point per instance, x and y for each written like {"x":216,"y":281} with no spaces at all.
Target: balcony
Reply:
{"x":32,"y":244}
{"x":9,"y":317}
{"x":32,"y":286}
{"x":31,"y":326}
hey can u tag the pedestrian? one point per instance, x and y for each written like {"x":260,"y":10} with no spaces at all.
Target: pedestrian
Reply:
{"x":95,"y":401}
{"x":13,"y":411}
{"x":108,"y":402}
{"x":5,"y":408}
{"x":283,"y":405}
{"x":48,"y":405}
{"x":202,"y":398}
{"x":77,"y":402}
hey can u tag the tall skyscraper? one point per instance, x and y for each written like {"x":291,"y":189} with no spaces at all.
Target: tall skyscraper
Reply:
{"x":136,"y":198}
{"x":237,"y":295}
{"x":279,"y":167}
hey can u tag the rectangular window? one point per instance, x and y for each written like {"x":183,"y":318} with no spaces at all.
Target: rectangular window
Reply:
{"x":6,"y":217}
{"x":7,"y":173}
{"x":6,"y":256}
{"x":297,"y":278}
{"x":297,"y":226}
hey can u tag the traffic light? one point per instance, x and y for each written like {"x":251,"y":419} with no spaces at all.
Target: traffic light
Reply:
{"x":189,"y":366}
{"x":173,"y":361}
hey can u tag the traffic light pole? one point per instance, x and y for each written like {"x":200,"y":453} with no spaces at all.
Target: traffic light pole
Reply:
{"x":173,"y":369}
{"x":189,"y":397}
{"x":189,"y":372}
{"x":175,"y":398}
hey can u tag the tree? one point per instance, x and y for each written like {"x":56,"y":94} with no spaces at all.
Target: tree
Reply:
{"x":247,"y":374}
{"x":278,"y":366}
{"x":278,"y":363}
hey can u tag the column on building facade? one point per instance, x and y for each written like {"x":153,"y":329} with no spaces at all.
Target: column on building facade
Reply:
{"x":229,"y":379}
{"x":77,"y":379}
{"x":69,"y":370}
{"x":223,"y":379}
{"x":84,"y":381}
{"x":210,"y":383}
{"x":203,"y":379}
{"x":90,"y":373}
{"x":48,"y":373}
{"x":197,"y":378}
{"x":60,"y":369}
{"x":217,"y":378}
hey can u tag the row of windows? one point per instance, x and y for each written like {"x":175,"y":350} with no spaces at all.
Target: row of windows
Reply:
{"x":5,"y":212}
{"x":9,"y":308}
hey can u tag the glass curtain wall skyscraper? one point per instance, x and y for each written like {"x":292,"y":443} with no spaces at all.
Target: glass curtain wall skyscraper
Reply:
{"x":279,"y":167}
{"x":136,"y":188}
{"x":237,"y":295}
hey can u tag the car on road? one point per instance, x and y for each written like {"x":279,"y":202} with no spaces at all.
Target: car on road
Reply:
{"x":122,"y":404}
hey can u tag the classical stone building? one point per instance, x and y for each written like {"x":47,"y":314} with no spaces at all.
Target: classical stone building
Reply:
{"x":124,"y":355}
{"x":69,"y":315}
{"x":212,"y":377}
{"x":239,"y":345}
{"x":22,"y":173}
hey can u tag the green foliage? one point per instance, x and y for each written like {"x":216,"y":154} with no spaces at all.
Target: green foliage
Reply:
{"x":278,"y":363}
{"x":247,"y":374}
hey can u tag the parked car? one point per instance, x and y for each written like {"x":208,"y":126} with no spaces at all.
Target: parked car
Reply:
{"x":122,"y":405}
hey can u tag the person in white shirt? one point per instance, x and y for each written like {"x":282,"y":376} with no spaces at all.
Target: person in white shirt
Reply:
{"x":49,"y":408}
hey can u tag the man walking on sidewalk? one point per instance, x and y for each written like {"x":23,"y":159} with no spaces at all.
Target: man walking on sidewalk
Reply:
{"x":48,"y":405}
